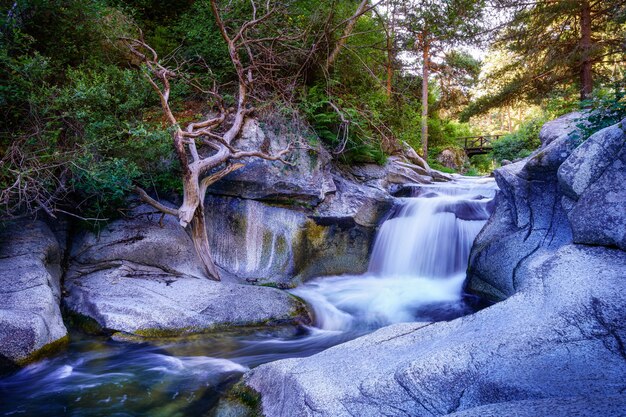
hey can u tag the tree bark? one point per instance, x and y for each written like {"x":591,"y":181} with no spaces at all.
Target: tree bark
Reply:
{"x":390,"y":31}
{"x":200,"y":240}
{"x":425,"y":74}
{"x":586,"y":74}
{"x":346,"y":33}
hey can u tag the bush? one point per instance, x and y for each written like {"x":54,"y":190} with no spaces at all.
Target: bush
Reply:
{"x":355,"y":140}
{"x":609,"y":108}
{"x":519,"y":144}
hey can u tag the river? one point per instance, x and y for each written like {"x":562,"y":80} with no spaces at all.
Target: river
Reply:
{"x":416,"y":273}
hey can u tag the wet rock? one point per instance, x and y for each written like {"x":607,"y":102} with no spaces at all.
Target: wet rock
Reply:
{"x":254,"y":240}
{"x":284,"y":245}
{"x":30,"y":273}
{"x":142,"y":276}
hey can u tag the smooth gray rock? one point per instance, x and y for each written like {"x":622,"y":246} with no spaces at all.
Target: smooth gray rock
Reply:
{"x":532,"y":213}
{"x":560,"y":336}
{"x":590,"y":160}
{"x":141,"y":275}
{"x":145,"y":237}
{"x":306,"y":180}
{"x":584,"y":406}
{"x":593,"y":180}
{"x":147,"y":301}
{"x":254,"y":240}
{"x":30,"y":272}
{"x":529,"y":220}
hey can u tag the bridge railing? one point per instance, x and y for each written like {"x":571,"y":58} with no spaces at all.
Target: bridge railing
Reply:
{"x":479,"y":142}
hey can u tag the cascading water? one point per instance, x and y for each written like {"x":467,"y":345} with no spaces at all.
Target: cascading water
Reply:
{"x":416,"y":273}
{"x":418,"y":262}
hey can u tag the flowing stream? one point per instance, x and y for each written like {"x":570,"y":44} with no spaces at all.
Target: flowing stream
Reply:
{"x":416,"y":273}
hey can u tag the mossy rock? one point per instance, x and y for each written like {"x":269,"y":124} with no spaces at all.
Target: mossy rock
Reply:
{"x":239,"y":401}
{"x":82,"y":322}
{"x":45,"y":351}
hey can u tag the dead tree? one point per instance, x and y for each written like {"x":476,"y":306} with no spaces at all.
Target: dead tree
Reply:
{"x":205,"y":148}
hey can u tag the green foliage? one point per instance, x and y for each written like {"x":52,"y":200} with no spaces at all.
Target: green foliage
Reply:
{"x":106,"y":107}
{"x":519,"y":144}
{"x":546,"y":52}
{"x":354,"y":138}
{"x":609,"y":108}
{"x":482,"y":164}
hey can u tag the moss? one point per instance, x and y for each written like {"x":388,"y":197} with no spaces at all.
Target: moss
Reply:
{"x":244,"y":396}
{"x":82,"y":322}
{"x":301,"y":311}
{"x":45,"y":351}
{"x":155,"y":333}
{"x":315,"y":234}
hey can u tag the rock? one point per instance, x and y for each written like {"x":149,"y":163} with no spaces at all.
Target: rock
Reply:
{"x":531,"y":216}
{"x":590,"y":160}
{"x":389,"y":177}
{"x":308,"y":180}
{"x":143,"y":278}
{"x":413,"y":157}
{"x":149,"y":302}
{"x":564,"y":125}
{"x":583,"y":406}
{"x":30,"y":318}
{"x":251,"y":239}
{"x":557,"y":338}
{"x":505,"y":162}
{"x":268,"y":243}
{"x":146,"y":238}
{"x":453,"y":158}
{"x":593,"y":180}
{"x":528,"y":221}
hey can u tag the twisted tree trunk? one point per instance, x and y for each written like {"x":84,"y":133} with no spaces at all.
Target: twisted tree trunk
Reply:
{"x":199,"y":172}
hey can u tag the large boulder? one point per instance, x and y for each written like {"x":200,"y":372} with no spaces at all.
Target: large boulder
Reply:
{"x":30,"y":273}
{"x":149,"y":302}
{"x":285,"y":244}
{"x":453,"y":158}
{"x":306,"y":179}
{"x":142,"y":276}
{"x":593,"y":180}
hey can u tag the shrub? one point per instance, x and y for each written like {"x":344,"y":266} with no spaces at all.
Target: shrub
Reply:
{"x":519,"y":144}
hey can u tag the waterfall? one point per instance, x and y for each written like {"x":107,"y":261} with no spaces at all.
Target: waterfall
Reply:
{"x":418,"y":261}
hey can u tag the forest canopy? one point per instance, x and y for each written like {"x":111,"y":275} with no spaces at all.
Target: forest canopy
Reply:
{"x":82,"y":126}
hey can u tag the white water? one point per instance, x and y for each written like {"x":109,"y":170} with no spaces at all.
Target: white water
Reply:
{"x":418,"y":262}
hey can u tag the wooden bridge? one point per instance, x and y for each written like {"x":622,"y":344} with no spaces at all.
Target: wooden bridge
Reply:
{"x":478,"y":145}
